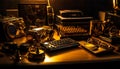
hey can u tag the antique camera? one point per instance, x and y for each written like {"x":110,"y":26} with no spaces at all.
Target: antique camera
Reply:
{"x":41,"y":34}
{"x":11,"y":28}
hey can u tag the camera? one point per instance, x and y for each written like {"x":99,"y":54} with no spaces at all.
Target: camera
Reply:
{"x":41,"y":34}
{"x":11,"y":28}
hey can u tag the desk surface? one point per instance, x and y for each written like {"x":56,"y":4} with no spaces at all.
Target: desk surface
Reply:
{"x":72,"y":55}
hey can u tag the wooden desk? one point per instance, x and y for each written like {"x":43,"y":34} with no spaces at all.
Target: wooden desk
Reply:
{"x":67,"y":58}
{"x":72,"y":55}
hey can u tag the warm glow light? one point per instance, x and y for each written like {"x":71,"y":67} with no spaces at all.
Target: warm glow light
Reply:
{"x":37,"y":29}
{"x":46,"y":43}
{"x":48,"y":3}
{"x":115,"y":4}
{"x":47,"y":59}
{"x":56,"y":36}
{"x":90,"y":45}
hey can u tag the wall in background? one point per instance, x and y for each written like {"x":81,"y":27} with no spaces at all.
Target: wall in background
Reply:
{"x":8,"y":5}
{"x":89,"y":7}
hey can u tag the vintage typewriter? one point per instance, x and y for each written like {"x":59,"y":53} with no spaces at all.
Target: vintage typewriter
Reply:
{"x":75,"y":29}
{"x":72,"y":23}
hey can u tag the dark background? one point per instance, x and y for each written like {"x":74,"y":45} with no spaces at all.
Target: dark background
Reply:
{"x":89,"y":7}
